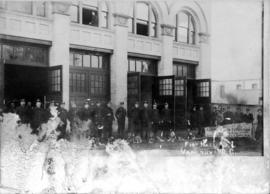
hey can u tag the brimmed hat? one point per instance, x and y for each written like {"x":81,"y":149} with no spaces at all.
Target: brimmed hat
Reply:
{"x":22,"y":100}
{"x":122,"y":103}
{"x":38,"y":100}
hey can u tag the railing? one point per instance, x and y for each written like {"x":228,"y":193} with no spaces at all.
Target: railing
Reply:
{"x":91,"y":36}
{"x":22,"y":25}
{"x":186,"y":51}
{"x":144,"y":45}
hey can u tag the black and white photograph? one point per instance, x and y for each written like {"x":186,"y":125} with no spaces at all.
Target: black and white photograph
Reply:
{"x":135,"y":96}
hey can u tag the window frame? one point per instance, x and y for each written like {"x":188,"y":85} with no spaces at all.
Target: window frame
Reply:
{"x":133,"y":21}
{"x":191,"y":22}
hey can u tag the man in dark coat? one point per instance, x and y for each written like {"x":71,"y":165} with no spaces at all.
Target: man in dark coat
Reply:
{"x":166,"y":114}
{"x":12,"y":107}
{"x":248,"y":116}
{"x":38,"y":117}
{"x":194,"y":118}
{"x":108,"y":120}
{"x":146,"y":121}
{"x":214,"y":117}
{"x":201,"y":121}
{"x":121,"y":114}
{"x":22,"y":111}
{"x":238,"y":115}
{"x":155,"y":118}
{"x":29,"y":112}
{"x":134,"y":119}
{"x":259,"y":128}
{"x":228,"y":116}
{"x":63,"y":115}
{"x":98,"y":117}
{"x":85,"y":113}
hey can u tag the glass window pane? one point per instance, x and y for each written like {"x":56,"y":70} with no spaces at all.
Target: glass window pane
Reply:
{"x":7,"y":52}
{"x":153,"y":29}
{"x":184,"y":70}
{"x":138,"y":66}
{"x":142,"y":11}
{"x":182,"y":34}
{"x":86,"y":60}
{"x":132,"y":65}
{"x":90,"y":17}
{"x":78,"y":60}
{"x":94,"y":61}
{"x":71,"y":59}
{"x":74,"y":13}
{"x":142,"y":27}
{"x":183,"y":20}
{"x":40,"y":8}
{"x":145,"y":66}
{"x":18,"y":52}
{"x":104,"y":19}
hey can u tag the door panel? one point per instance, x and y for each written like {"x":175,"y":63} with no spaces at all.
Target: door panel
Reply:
{"x":2,"y":81}
{"x":133,"y":89}
{"x":203,"y":96}
{"x":180,"y":92}
{"x":164,"y":92}
{"x":55,"y":84}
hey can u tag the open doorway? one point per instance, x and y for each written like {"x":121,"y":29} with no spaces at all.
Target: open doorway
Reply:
{"x":24,"y":82}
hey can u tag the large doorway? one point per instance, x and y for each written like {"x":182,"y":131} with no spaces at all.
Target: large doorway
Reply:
{"x":24,"y":82}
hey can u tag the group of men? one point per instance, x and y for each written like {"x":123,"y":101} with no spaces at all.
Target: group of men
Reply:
{"x":149,"y":122}
{"x":229,"y":117}
{"x":37,"y":115}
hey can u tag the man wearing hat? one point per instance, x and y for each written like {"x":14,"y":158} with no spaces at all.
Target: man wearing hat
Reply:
{"x":248,"y":116}
{"x":166,"y":115}
{"x":121,"y":114}
{"x":146,"y":121}
{"x":108,"y":120}
{"x":22,"y":111}
{"x":38,"y":117}
{"x":63,"y":115}
{"x":98,"y":117}
{"x":85,"y":113}
{"x":134,"y":119}
{"x":155,"y":118}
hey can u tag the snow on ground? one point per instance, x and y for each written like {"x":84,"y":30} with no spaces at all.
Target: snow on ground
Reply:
{"x":69,"y":167}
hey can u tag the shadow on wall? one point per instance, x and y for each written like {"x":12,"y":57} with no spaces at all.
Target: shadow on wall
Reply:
{"x":232,"y":99}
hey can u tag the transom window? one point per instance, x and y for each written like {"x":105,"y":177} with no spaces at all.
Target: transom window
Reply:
{"x":37,"y":8}
{"x":91,"y":13}
{"x":143,"y":20}
{"x":87,"y":60}
{"x":141,"y":65}
{"x":184,"y":70}
{"x":203,"y":89}
{"x":185,"y":28}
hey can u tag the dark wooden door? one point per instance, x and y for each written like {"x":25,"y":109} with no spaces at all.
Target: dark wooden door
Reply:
{"x":133,"y":89}
{"x":2,"y":79}
{"x":55,"y":84}
{"x":164,"y":92}
{"x":180,"y":102}
{"x":203,"y":96}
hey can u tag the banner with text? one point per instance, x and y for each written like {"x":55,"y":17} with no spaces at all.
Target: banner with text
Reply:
{"x":235,"y":130}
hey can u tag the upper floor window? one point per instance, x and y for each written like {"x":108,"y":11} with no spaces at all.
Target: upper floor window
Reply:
{"x":143,"y":20}
{"x":93,"y":13}
{"x":37,"y":8}
{"x":184,"y":70}
{"x":185,"y":28}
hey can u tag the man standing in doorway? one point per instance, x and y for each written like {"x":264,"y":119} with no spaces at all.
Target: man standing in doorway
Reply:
{"x":98,"y":116}
{"x":21,"y":111}
{"x":108,"y":120}
{"x":121,"y":114}
{"x":38,"y":117}
{"x":134,"y":117}
{"x":146,"y":121}
{"x":63,"y":115}
{"x":201,"y":121}
{"x":166,"y":120}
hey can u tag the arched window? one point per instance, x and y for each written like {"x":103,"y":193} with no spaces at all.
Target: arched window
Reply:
{"x":90,"y":12}
{"x":143,"y":20}
{"x":185,"y":28}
